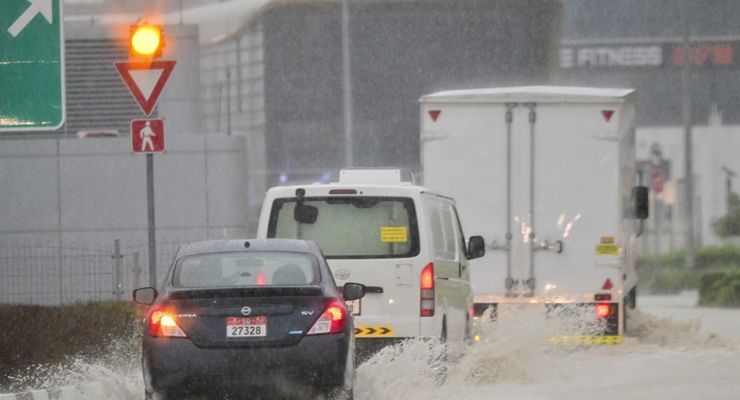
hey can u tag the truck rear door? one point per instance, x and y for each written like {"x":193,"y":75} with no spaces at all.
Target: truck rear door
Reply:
{"x":539,"y":178}
{"x":578,"y":197}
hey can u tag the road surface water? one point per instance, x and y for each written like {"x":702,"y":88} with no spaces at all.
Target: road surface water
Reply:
{"x":675,"y":351}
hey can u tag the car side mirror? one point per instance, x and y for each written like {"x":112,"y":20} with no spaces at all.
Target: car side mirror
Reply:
{"x":642,"y":203}
{"x":305,"y":214}
{"x":145,"y":295}
{"x":476,"y":247}
{"x":353,"y":291}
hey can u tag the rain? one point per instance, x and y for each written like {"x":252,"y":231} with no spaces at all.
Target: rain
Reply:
{"x":112,"y":161}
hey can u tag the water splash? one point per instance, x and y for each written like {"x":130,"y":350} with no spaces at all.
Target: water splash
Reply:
{"x":513,"y":360}
{"x":117,"y":365}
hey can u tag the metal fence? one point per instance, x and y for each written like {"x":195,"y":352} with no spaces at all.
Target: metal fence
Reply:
{"x":50,"y":275}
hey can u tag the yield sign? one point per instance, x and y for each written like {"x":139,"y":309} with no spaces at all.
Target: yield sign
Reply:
{"x":145,"y":81}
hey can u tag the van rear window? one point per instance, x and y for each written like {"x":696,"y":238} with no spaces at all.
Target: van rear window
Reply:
{"x":351,"y":226}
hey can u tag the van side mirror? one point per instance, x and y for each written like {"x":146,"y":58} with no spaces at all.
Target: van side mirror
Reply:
{"x":305,"y":214}
{"x":353,"y":291}
{"x":145,"y":295}
{"x":642,"y":203}
{"x":476,"y":247}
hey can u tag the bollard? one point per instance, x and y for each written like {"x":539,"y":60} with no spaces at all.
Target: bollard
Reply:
{"x":117,"y":257}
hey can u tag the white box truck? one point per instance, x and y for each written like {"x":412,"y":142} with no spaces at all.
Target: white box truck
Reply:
{"x":547,"y":175}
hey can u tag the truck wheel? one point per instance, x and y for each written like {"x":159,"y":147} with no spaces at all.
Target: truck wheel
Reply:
{"x":443,"y":335}
{"x":336,"y":394}
{"x":468,"y":331}
{"x":159,"y":396}
{"x":440,"y":371}
{"x":630,"y":303}
{"x":633,"y":298}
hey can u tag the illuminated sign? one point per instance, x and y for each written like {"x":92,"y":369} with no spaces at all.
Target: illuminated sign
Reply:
{"x":703,"y":55}
{"x":611,"y":56}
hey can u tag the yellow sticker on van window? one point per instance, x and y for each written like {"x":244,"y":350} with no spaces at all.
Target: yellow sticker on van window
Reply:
{"x":394,"y":234}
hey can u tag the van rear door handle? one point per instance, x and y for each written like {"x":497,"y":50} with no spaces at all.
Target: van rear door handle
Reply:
{"x":373,"y":289}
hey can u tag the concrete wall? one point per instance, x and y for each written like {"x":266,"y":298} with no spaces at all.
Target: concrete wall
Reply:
{"x":91,"y":191}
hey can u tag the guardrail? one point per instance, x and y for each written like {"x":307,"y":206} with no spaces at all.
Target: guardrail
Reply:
{"x":53,"y":275}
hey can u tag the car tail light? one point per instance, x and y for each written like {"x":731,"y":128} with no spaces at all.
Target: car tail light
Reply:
{"x":603,"y":310}
{"x":427,"y":291}
{"x":162,"y":324}
{"x":331,"y":321}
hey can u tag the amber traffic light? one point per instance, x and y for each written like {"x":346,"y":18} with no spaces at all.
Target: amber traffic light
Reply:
{"x":146,"y":41}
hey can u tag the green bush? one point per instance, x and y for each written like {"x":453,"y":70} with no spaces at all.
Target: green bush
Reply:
{"x":672,"y":259}
{"x":668,"y":273}
{"x":666,"y":280}
{"x":720,"y":289}
{"x":33,"y":335}
{"x":729,"y":225}
{"x":706,"y":257}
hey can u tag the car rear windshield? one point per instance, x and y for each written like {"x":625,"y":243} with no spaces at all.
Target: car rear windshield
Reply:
{"x":349,"y":227}
{"x":263,"y":268}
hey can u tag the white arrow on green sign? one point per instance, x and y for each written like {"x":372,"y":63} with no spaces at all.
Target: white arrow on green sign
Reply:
{"x":31,"y":65}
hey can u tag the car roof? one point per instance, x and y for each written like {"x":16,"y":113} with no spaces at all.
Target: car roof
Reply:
{"x":215,"y":246}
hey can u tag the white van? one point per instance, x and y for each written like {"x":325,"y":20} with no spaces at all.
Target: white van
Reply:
{"x":403,"y":242}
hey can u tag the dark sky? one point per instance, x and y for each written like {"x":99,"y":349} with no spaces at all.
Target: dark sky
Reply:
{"x":591,"y":19}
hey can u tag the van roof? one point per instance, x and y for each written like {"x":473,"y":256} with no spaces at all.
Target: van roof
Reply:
{"x":541,"y":94}
{"x":289,"y":190}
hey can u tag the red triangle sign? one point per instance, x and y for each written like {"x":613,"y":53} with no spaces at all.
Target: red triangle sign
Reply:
{"x":145,"y":81}
{"x":607,"y":284}
{"x":607,"y":114}
{"x":434,"y":114}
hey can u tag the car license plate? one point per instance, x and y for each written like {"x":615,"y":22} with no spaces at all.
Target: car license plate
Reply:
{"x":355,"y":306}
{"x":246,"y":327}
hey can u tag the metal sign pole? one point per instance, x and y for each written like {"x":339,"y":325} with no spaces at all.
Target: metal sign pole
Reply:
{"x":349,"y":158}
{"x":147,"y":135}
{"x":150,"y":216}
{"x":687,"y":126}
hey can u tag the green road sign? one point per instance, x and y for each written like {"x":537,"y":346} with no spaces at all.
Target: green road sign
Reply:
{"x":31,"y":65}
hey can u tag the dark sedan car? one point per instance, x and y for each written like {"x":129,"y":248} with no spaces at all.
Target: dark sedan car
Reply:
{"x":243,"y":317}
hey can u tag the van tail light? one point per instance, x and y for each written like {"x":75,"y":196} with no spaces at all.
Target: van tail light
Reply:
{"x":162,"y":323}
{"x":427,"y":291}
{"x":331,"y":321}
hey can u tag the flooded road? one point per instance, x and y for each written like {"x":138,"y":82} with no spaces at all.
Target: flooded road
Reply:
{"x":675,"y":351}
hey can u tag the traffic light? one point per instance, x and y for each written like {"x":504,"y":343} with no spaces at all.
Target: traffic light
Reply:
{"x":146,"y":41}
